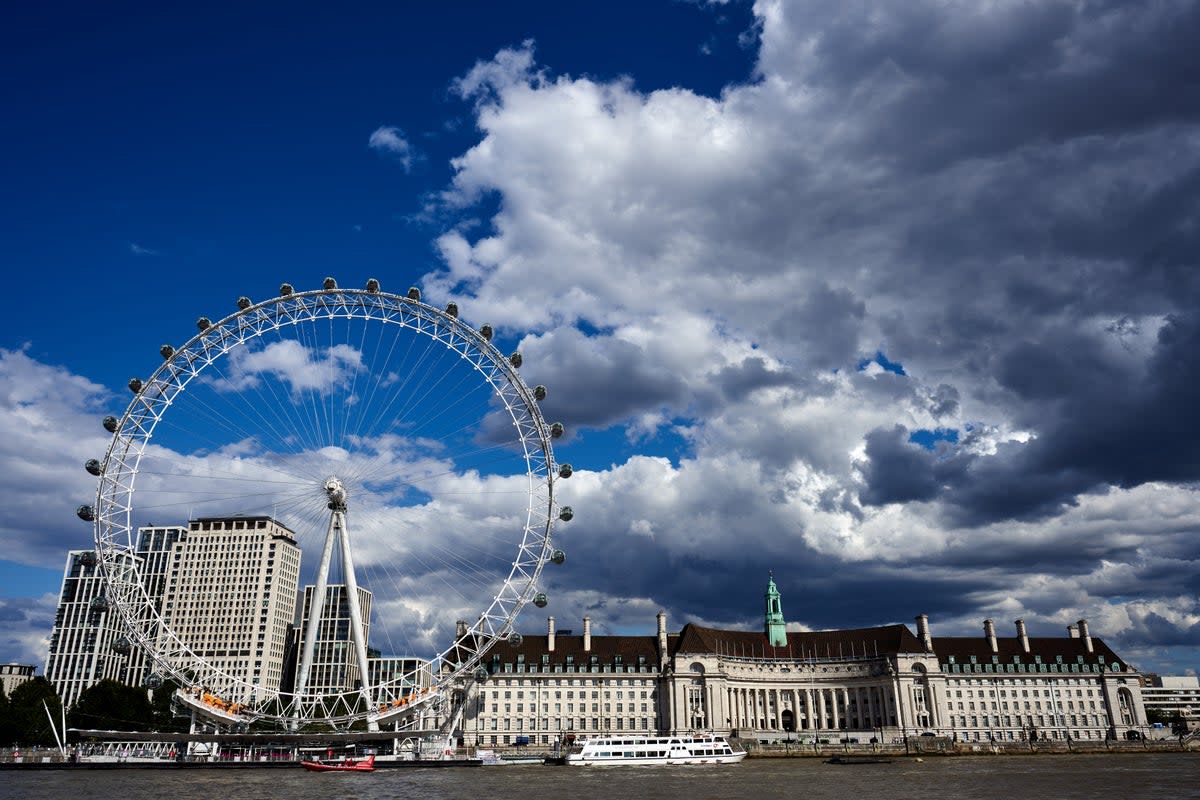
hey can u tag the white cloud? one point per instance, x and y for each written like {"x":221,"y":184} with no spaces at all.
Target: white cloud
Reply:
{"x":302,"y":368}
{"x":717,"y":268}
{"x":50,"y":426}
{"x":390,"y":140}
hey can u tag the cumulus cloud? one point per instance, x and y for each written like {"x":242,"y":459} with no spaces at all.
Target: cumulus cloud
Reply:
{"x":981,"y":193}
{"x":52,"y":426}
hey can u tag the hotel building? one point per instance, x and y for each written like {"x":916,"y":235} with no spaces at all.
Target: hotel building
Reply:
{"x":230,"y":598}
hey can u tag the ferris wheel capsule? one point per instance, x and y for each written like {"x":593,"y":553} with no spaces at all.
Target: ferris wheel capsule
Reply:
{"x":556,"y":429}
{"x":135,"y":385}
{"x":558,"y":557}
{"x":99,"y":603}
{"x":329,"y":284}
{"x":285,"y":290}
{"x":486,"y":331}
{"x":539,"y":393}
{"x":166,"y":351}
{"x":540,"y":600}
{"x":414,"y":293}
{"x":110,"y":423}
{"x":243,"y":302}
{"x":481,"y":675}
{"x":152,"y":681}
{"x":86,"y":513}
{"x":452,"y":309}
{"x":515,"y":639}
{"x":566,"y":514}
{"x":92,"y":465}
{"x":204,"y":323}
{"x":372,"y":286}
{"x":515,"y":359}
{"x":122,"y":646}
{"x":564,"y":471}
{"x":88,"y":558}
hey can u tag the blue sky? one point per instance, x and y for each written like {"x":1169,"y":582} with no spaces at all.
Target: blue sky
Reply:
{"x":896,"y":300}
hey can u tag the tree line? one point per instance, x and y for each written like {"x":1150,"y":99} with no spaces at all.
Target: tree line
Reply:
{"x":108,"y":705}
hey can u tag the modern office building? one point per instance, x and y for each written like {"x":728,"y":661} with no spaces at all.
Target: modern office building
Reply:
{"x":1172,"y":694}
{"x":334,"y":664}
{"x":230,"y":598}
{"x":86,"y":643}
{"x":154,"y":548}
{"x":13,"y":675}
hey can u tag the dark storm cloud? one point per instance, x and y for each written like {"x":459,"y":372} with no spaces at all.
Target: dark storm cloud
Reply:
{"x":898,"y":471}
{"x":1158,"y":631}
{"x":598,"y":381}
{"x":1095,"y":425}
{"x":974,"y":81}
{"x":824,"y":323}
{"x":943,"y":401}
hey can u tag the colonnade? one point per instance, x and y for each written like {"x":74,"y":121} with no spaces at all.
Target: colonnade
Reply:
{"x":813,"y":708}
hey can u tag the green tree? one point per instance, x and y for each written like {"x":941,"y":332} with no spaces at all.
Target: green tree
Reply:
{"x":1154,"y":715}
{"x":6,"y":728}
{"x":28,"y":715}
{"x":112,"y":706}
{"x":164,"y":716}
{"x":1179,"y":725}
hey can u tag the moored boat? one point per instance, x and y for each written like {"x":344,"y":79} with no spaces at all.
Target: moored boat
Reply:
{"x":349,"y":765}
{"x":854,"y":760}
{"x":656,"y":750}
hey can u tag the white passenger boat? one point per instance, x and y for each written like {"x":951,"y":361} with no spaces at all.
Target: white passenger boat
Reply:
{"x":656,"y":750}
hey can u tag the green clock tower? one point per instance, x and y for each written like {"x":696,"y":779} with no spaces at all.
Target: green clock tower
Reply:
{"x":776,"y":627}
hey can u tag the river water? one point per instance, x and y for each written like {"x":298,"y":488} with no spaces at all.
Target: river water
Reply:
{"x":1175,"y":776}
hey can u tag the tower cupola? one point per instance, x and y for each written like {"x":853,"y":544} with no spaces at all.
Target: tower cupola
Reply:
{"x":774,"y":626}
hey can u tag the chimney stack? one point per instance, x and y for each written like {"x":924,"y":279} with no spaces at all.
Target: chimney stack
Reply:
{"x":1023,"y":635}
{"x":1072,"y":631}
{"x":662,"y":638}
{"x":587,"y":634}
{"x":550,"y":634}
{"x":460,"y":629}
{"x":989,"y":630}
{"x":1085,"y":635}
{"x":923,"y":632}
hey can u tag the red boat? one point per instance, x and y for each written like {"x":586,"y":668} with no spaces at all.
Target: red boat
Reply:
{"x":349,"y":765}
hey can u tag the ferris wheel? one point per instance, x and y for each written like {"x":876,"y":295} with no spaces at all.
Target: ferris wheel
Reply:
{"x":387,"y":461}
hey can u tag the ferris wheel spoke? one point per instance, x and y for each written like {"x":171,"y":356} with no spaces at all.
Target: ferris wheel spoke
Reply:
{"x":497,"y":454}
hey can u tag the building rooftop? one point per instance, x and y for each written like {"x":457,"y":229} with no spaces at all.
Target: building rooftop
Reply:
{"x":851,"y":643}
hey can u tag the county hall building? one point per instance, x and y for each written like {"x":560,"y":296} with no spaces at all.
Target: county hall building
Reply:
{"x":884,"y":683}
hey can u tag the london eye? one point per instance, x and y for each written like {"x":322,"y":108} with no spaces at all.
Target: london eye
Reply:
{"x":398,"y":447}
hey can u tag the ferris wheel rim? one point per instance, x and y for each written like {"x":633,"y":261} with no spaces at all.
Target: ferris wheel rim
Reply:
{"x":134,"y":430}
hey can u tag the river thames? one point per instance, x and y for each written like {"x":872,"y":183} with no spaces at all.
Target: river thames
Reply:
{"x":1167,"y":775}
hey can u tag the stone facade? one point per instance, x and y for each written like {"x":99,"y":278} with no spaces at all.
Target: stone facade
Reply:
{"x":883,"y":683}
